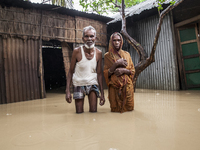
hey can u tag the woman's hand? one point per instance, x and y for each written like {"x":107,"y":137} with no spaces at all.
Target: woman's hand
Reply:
{"x":121,"y":63}
{"x":120,"y":71}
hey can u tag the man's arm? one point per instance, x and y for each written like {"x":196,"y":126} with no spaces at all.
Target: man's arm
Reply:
{"x":69,"y":76}
{"x":99,"y":77}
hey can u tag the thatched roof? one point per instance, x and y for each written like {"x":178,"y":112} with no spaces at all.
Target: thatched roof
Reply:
{"x":58,"y":9}
{"x":137,"y":9}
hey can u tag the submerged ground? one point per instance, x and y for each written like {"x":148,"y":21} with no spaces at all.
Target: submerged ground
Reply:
{"x":162,"y":120}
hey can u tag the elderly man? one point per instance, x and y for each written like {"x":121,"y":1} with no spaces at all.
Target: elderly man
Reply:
{"x":86,"y":74}
{"x":119,"y":72}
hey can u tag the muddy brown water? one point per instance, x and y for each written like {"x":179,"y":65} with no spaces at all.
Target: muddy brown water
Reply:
{"x":162,"y":120}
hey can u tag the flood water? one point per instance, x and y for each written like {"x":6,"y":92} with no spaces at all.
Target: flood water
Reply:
{"x":162,"y":120}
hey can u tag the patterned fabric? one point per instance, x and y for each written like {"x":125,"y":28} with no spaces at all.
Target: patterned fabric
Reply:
{"x":121,"y":90}
{"x":81,"y":91}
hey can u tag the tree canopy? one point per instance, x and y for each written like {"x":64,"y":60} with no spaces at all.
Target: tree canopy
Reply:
{"x":103,"y":6}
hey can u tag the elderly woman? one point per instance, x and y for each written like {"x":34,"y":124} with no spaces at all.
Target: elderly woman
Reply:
{"x":119,"y":72}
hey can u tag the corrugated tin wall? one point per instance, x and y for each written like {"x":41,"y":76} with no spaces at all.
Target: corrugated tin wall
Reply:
{"x":2,"y":77}
{"x":20,"y":69}
{"x":163,"y":73}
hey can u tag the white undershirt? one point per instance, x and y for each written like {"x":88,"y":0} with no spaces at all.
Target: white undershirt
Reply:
{"x":85,"y":71}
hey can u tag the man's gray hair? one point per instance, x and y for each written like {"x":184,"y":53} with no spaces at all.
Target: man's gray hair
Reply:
{"x":89,"y":28}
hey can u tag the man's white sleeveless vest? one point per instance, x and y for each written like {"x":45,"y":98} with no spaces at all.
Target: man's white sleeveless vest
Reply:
{"x":85,"y":71}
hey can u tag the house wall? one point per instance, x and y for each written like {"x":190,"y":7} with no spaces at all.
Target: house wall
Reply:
{"x":20,"y":34}
{"x":101,"y":30}
{"x":19,"y":70}
{"x":163,"y":73}
{"x":26,"y":23}
{"x":186,"y":10}
{"x":2,"y":77}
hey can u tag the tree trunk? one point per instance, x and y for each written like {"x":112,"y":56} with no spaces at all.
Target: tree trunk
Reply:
{"x":144,"y":62}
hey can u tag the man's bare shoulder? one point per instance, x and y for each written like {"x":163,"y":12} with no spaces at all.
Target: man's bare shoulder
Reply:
{"x":98,"y":51}
{"x":76,"y":55}
{"x":77,"y":49}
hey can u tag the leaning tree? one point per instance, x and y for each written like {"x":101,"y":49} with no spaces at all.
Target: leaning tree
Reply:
{"x":144,"y":60}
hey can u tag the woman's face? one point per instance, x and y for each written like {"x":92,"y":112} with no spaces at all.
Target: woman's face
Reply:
{"x":117,"y":41}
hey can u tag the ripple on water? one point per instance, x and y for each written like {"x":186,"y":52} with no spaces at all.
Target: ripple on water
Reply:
{"x":106,"y":145}
{"x":73,"y":132}
{"x":29,"y":138}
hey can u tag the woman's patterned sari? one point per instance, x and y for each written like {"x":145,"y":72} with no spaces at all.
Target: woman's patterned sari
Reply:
{"x":121,"y":90}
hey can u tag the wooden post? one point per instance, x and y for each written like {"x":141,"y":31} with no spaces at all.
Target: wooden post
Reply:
{"x":41,"y":63}
{"x":67,"y":54}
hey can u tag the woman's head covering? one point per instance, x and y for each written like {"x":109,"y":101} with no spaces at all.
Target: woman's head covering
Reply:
{"x":114,"y":53}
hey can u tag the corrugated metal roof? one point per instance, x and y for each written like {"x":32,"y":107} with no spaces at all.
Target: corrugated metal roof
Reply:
{"x":58,"y":9}
{"x":137,"y":9}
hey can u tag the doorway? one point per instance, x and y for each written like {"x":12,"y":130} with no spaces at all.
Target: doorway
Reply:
{"x":54,"y":71}
{"x":190,"y":55}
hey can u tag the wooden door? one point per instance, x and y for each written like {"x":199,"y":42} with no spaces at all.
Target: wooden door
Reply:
{"x":190,"y":53}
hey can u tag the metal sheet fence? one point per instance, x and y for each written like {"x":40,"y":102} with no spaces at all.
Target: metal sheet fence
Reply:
{"x":2,"y":81}
{"x":20,"y":70}
{"x":163,"y":73}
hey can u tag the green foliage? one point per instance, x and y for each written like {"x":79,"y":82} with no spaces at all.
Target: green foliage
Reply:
{"x":129,"y":3}
{"x":172,"y":2}
{"x":59,"y":2}
{"x":160,"y":2}
{"x":103,"y":6}
{"x":99,"y":6}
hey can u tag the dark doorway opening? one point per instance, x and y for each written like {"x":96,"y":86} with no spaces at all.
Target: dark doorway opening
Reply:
{"x":54,"y":71}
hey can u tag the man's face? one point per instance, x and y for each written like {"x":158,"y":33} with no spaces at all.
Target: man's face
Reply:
{"x":89,"y":38}
{"x":117,"y":41}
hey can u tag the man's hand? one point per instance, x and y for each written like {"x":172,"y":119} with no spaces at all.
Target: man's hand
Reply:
{"x":122,"y":63}
{"x":102,"y":100}
{"x":68,"y":97}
